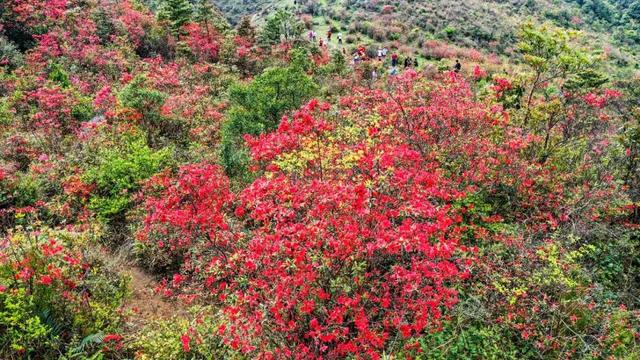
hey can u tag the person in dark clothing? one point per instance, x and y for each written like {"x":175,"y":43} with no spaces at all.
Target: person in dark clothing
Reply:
{"x":457,"y":67}
{"x":394,"y":60}
{"x":407,"y":62}
{"x":415,"y":63}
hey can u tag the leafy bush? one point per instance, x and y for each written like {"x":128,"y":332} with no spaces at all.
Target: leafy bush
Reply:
{"x":281,"y":26}
{"x":10,"y":55}
{"x":118,"y":173}
{"x":257,"y":108}
{"x":179,"y":339}
{"x":54,"y":292}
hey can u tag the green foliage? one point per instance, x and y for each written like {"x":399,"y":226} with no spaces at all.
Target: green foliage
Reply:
{"x":470,"y":342}
{"x":548,"y":51}
{"x":258,"y":107}
{"x":10,"y":53}
{"x":29,"y":188}
{"x":118,"y":173}
{"x":177,"y":13}
{"x":613,"y":263}
{"x":246,"y":29}
{"x":146,"y":101}
{"x":137,"y":95}
{"x":206,"y":14}
{"x":585,"y":79}
{"x":22,"y":327}
{"x":83,"y":110}
{"x":163,"y":340}
{"x":6,"y":116}
{"x":58,"y":75}
{"x":282,"y":26}
{"x":338,"y":63}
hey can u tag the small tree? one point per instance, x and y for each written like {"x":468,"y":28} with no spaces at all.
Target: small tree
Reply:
{"x":207,"y":15}
{"x":246,"y":29}
{"x":282,"y":26}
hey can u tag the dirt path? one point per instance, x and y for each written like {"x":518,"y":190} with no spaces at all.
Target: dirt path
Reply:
{"x":145,"y":303}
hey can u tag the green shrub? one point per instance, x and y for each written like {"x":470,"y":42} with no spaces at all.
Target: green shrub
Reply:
{"x":165,"y":339}
{"x":118,"y":173}
{"x":258,"y":107}
{"x":470,"y":342}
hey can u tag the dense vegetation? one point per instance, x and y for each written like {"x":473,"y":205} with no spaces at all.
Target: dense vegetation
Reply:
{"x":175,"y":186}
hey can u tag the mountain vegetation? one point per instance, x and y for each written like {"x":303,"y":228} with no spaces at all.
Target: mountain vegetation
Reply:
{"x":259,"y":179}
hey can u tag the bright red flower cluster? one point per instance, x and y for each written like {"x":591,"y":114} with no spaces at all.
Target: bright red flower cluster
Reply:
{"x":362,"y":241}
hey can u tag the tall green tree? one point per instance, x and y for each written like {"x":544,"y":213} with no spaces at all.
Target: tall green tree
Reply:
{"x":177,"y":13}
{"x":281,"y":26}
{"x":549,"y":55}
{"x":207,"y":15}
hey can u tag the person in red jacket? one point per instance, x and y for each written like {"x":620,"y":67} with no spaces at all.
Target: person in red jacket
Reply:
{"x":394,"y":60}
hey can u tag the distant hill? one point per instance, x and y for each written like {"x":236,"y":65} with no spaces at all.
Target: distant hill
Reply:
{"x":492,"y":26}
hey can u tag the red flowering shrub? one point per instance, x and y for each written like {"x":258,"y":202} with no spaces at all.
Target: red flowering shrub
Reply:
{"x":413,"y":215}
{"x":187,"y":215}
{"x":204,"y":44}
{"x":50,"y":290}
{"x":479,"y":73}
{"x":355,"y":234}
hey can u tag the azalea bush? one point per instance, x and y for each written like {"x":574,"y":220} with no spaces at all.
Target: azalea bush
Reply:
{"x":180,"y":338}
{"x":359,"y":219}
{"x":490,"y":213}
{"x":56,"y":297}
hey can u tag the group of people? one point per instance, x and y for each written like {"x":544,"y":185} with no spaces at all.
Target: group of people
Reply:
{"x":361,"y":54}
{"x":313,"y":38}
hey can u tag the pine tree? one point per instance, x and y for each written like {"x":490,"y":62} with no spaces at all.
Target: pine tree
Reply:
{"x":177,"y":13}
{"x":246,"y":29}
{"x":209,"y":16}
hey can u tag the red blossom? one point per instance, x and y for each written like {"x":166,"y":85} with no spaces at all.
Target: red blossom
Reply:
{"x":185,"y":340}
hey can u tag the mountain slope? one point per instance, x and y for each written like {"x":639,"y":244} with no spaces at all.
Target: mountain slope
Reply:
{"x":483,"y":25}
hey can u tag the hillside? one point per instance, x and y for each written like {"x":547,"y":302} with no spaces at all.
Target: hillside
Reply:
{"x":319,"y":180}
{"x":489,"y":26}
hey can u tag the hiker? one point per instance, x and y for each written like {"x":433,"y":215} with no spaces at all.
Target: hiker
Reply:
{"x":457,"y":67}
{"x":314,"y":36}
{"x":374,"y":74}
{"x":394,"y":60}
{"x":340,"y":38}
{"x":310,"y":35}
{"x":379,"y":54}
{"x":384,"y":51}
{"x":329,"y":33}
{"x":407,"y":62}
